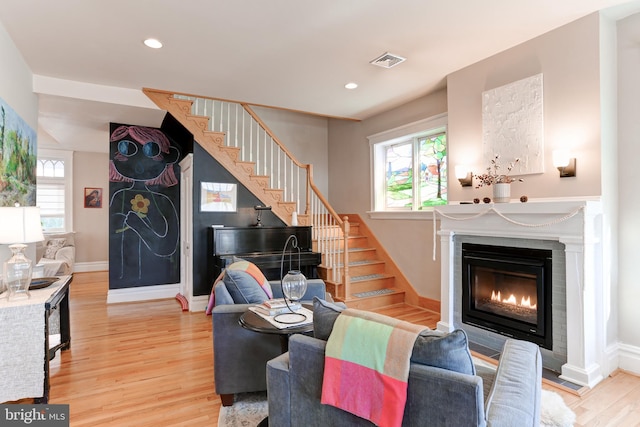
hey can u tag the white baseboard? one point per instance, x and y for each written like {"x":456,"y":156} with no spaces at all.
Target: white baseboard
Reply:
{"x":629,"y":358}
{"x":85,"y":267}
{"x":611,"y":359}
{"x":199,"y":303}
{"x":143,"y":293}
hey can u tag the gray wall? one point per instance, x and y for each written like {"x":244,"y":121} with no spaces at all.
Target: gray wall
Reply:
{"x":305,"y":136}
{"x":91,"y":225}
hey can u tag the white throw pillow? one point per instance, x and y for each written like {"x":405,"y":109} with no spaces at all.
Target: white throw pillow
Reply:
{"x":53,"y":246}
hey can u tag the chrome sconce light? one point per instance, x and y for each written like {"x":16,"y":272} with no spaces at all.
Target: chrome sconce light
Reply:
{"x":565,"y":163}
{"x":464,"y":175}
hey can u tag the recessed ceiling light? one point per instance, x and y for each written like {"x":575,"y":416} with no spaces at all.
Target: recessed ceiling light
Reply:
{"x":351,"y":85}
{"x":153,"y":43}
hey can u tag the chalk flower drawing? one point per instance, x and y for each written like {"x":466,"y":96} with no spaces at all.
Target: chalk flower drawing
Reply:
{"x":140,"y":205}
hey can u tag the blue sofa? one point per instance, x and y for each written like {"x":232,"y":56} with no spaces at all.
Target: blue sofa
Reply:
{"x":508,"y":396}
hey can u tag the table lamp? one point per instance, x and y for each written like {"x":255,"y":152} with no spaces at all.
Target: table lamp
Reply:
{"x":294,"y":285}
{"x":19,"y":225}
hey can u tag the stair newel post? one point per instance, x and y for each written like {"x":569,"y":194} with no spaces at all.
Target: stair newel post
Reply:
{"x":345,"y":256}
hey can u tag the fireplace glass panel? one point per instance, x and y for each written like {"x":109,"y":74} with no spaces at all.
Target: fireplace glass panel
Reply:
{"x":511,"y":295}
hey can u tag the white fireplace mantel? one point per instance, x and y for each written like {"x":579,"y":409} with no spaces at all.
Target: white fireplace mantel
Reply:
{"x":575,"y":223}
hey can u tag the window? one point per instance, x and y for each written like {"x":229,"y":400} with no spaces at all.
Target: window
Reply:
{"x":53,"y":189}
{"x":410,"y":166}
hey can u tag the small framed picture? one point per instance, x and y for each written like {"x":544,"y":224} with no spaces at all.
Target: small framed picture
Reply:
{"x":218,"y":197}
{"x":92,"y":197}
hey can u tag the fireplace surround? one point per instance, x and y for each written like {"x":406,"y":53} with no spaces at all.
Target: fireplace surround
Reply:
{"x":572,"y":230}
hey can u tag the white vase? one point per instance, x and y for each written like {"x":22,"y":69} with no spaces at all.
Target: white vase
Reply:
{"x":294,"y":218}
{"x":502,"y":193}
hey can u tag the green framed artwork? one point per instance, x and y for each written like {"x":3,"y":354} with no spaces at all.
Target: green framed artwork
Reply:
{"x":17,"y":159}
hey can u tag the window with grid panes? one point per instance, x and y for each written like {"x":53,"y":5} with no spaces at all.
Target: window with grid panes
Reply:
{"x":53,"y":191}
{"x":410,"y":170}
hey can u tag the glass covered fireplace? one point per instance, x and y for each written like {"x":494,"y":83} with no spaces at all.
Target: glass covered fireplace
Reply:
{"x":507,"y":290}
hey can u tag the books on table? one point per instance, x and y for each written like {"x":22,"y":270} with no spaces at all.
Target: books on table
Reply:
{"x":274,"y":307}
{"x":284,"y":322}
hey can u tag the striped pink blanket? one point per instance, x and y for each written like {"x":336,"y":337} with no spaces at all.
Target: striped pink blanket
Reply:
{"x":367,"y":365}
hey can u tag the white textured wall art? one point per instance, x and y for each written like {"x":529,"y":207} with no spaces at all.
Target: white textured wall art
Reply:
{"x":512,"y":125}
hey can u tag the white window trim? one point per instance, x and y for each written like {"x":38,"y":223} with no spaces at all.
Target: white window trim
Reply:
{"x":377,"y":142}
{"x":67,"y":157}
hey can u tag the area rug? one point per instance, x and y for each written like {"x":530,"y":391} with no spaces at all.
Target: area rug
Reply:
{"x":247,"y":410}
{"x":554,"y":412}
{"x":251,"y":408}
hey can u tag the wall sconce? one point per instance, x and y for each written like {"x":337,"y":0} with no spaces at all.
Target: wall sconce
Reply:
{"x":565,"y":163}
{"x":464,"y":175}
{"x":260,"y":209}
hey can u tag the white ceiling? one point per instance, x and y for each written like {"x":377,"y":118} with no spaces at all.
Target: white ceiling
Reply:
{"x":293,"y":54}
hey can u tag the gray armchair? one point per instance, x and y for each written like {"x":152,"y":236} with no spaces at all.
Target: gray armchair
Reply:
{"x":240,"y":356}
{"x":438,"y":397}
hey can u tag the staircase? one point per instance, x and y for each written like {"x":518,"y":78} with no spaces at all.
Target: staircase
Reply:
{"x":355,"y":266}
{"x":374,"y":280}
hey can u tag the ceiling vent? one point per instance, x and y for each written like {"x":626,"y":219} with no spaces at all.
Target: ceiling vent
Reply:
{"x":387,"y":60}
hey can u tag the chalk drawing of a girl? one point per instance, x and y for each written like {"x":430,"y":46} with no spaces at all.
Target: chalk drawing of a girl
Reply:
{"x":144,"y":221}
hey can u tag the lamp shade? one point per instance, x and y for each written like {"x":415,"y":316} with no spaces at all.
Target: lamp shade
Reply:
{"x":461,"y":171}
{"x":561,"y":158}
{"x":20,"y":225}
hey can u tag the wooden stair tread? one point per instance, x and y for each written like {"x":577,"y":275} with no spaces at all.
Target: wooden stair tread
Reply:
{"x":377,"y":276}
{"x":360,"y":263}
{"x":375,"y":293}
{"x":361,"y":249}
{"x":365,"y":262}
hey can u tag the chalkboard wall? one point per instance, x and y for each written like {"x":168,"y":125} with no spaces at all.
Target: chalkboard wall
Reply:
{"x":144,"y":207}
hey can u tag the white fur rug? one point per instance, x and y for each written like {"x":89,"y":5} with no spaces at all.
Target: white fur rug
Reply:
{"x":251,"y":408}
{"x":554,"y":412}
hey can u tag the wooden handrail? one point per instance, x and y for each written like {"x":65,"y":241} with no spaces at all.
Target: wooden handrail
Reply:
{"x":326,"y":204}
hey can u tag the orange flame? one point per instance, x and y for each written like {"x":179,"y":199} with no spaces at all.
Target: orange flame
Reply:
{"x":524,"y":302}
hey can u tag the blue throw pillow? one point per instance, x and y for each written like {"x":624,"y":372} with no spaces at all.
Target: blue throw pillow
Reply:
{"x":324,"y":316}
{"x":246,"y":283}
{"x":448,"y":351}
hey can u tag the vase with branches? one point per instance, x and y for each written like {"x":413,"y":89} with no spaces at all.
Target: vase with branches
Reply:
{"x":497,"y":174}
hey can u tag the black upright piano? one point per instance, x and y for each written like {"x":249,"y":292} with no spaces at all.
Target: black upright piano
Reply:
{"x":263,"y":246}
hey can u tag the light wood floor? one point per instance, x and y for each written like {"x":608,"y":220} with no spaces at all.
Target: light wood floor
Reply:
{"x":151,"y":364}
